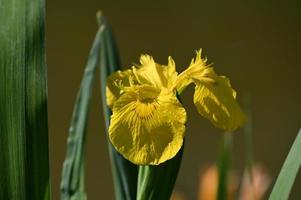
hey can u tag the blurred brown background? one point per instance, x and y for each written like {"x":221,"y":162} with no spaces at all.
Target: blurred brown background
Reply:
{"x":255,"y":43}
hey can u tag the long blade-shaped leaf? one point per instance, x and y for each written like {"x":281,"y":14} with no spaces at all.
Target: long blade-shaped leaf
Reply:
{"x":157,"y":182}
{"x":24,"y":164}
{"x":72,"y":184}
{"x":288,"y":173}
{"x":124,"y":172}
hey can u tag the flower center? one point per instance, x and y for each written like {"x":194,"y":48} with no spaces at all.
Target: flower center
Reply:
{"x":145,"y":110}
{"x":146,"y":102}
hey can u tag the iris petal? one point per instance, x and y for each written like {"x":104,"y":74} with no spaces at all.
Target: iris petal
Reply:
{"x":152,"y":73}
{"x":148,"y":130}
{"x":214,"y":97}
{"x":115,"y":82}
{"x":216,"y":102}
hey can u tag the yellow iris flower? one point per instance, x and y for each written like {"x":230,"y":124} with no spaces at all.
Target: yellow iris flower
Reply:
{"x":148,"y":122}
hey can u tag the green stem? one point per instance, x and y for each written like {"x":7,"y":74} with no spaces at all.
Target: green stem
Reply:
{"x":223,"y":167}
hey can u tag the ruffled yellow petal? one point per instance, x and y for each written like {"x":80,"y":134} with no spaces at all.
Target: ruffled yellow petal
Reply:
{"x":115,"y":82}
{"x":215,"y":100}
{"x":214,"y":96}
{"x":197,"y":68}
{"x":147,"y":125}
{"x":170,"y":73}
{"x":152,"y":73}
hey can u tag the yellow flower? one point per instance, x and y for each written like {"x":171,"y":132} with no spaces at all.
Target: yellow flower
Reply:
{"x":148,"y":121}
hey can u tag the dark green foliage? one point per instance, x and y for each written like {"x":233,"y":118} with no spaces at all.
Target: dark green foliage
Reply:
{"x":24,"y":165}
{"x":124,"y":172}
{"x":157,"y":182}
{"x":73,"y":183}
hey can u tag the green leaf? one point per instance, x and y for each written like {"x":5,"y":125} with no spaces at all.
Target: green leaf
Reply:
{"x":125,"y":178}
{"x":124,"y":172}
{"x":156,"y":182}
{"x":288,"y":173}
{"x":73,"y":183}
{"x":24,"y":160}
{"x":223,"y":166}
